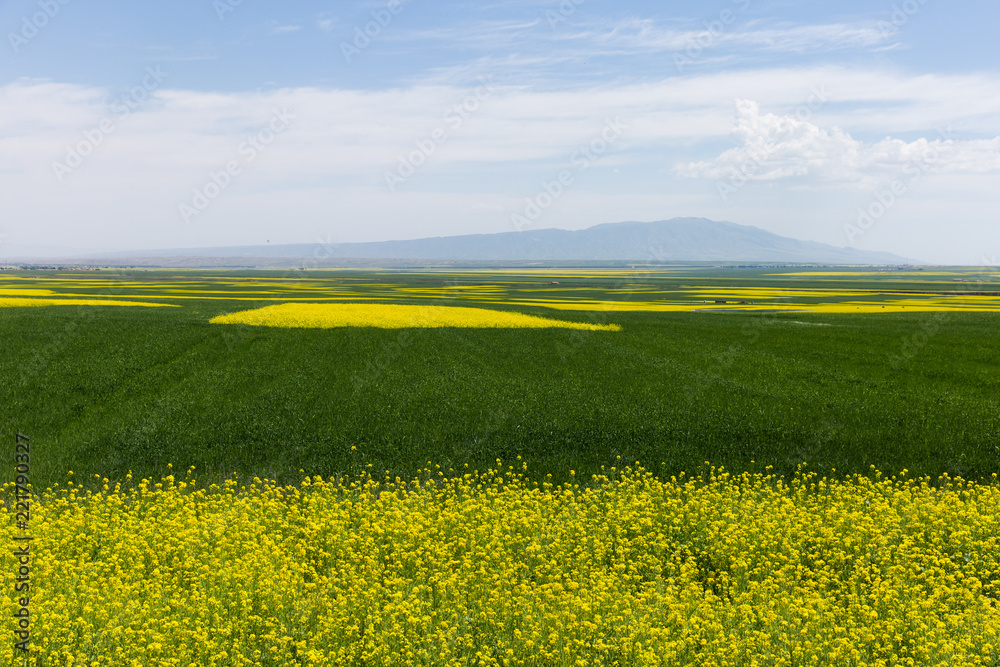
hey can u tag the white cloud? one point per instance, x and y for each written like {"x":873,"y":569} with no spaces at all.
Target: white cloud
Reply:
{"x":351,"y":132}
{"x":325,"y":173}
{"x":772,"y":147}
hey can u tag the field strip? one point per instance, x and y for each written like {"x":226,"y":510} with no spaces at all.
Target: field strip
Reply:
{"x":395,"y":316}
{"x":15,"y":302}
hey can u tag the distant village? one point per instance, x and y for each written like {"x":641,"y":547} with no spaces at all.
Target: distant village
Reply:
{"x":48,"y":267}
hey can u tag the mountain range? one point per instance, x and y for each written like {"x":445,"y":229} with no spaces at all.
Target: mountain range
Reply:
{"x":678,"y":239}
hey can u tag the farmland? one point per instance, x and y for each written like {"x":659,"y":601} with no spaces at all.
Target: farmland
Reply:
{"x":666,"y":465}
{"x":491,"y":569}
{"x":841,"y":369}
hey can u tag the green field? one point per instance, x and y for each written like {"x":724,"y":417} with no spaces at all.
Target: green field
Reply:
{"x":109,"y":389}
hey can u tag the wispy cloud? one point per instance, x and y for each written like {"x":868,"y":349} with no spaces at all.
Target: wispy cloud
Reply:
{"x":647,"y":35}
{"x":483,"y":34}
{"x":533,"y":53}
{"x":285,"y":28}
{"x":640,"y":36}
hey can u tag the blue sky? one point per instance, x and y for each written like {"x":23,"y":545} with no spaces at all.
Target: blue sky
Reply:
{"x":227,"y":122}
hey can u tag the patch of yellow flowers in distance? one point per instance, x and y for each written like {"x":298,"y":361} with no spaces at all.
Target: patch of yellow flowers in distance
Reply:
{"x":493,"y":569}
{"x":729,"y":299}
{"x":394,"y":316}
{"x":19,"y":302}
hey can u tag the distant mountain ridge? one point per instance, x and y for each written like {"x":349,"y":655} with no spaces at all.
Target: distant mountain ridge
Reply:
{"x":679,"y":239}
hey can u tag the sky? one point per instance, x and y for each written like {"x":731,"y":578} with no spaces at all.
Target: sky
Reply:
{"x":195,"y":123}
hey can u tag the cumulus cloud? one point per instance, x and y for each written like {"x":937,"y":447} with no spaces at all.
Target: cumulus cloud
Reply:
{"x":771,"y":148}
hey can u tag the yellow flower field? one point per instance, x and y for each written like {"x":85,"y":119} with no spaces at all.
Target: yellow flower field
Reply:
{"x":735,"y":299}
{"x":20,"y":302}
{"x":611,"y":291}
{"x":394,"y":316}
{"x":491,"y":569}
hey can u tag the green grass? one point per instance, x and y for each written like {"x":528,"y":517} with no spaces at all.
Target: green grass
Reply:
{"x":108,"y":390}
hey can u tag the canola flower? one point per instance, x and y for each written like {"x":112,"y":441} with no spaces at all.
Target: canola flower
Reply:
{"x":631,"y":293}
{"x":786,"y":302}
{"x":894,"y":274}
{"x":394,"y":316}
{"x":23,"y":292}
{"x":21,"y":302}
{"x":494,"y":569}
